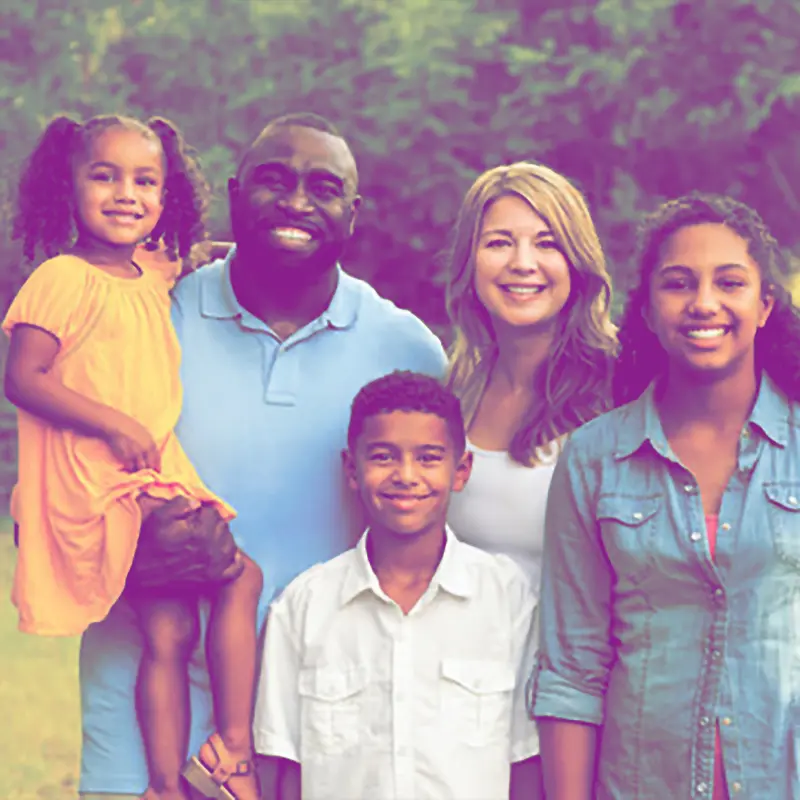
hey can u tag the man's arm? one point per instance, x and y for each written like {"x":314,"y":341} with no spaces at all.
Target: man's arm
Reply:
{"x":526,"y":780}
{"x":276,"y":720}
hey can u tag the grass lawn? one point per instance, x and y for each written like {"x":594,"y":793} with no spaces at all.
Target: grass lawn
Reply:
{"x":40,"y":734}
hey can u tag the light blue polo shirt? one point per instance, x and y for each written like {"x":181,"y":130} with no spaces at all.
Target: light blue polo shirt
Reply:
{"x":264,"y":423}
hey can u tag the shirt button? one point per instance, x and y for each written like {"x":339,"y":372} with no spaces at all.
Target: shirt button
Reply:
{"x":725,"y":526}
{"x":718,"y":592}
{"x":792,"y":501}
{"x":688,"y":488}
{"x":704,"y":721}
{"x":695,"y":536}
{"x":702,"y":788}
{"x":715,"y":654}
{"x":726,"y":720}
{"x":736,"y":786}
{"x":637,"y":514}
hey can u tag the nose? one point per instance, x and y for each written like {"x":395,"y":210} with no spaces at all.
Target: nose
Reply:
{"x":405,"y":473}
{"x":297,"y":199}
{"x":126,"y":187}
{"x":523,"y":259}
{"x":705,"y":302}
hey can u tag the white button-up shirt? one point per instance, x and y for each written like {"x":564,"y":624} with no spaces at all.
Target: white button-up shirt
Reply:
{"x":377,"y":704}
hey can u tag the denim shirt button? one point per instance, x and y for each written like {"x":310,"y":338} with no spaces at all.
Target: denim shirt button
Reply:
{"x":704,"y":721}
{"x":736,"y":786}
{"x":719,"y":593}
{"x":726,"y":720}
{"x":702,"y":787}
{"x":716,"y":654}
{"x":695,"y":536}
{"x":726,"y":526}
{"x":688,"y":488}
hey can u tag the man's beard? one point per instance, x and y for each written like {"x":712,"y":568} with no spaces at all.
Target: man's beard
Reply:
{"x":257,"y":244}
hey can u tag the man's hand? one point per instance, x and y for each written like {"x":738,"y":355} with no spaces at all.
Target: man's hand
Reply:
{"x":182,"y":545}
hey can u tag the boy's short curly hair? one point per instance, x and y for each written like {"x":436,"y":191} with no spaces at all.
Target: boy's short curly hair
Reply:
{"x":407,"y":391}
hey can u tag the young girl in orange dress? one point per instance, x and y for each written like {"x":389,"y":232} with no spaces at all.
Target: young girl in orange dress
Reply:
{"x":93,"y":368}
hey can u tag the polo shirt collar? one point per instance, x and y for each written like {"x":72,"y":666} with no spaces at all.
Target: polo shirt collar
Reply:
{"x":453,"y":575}
{"x":218,"y":300}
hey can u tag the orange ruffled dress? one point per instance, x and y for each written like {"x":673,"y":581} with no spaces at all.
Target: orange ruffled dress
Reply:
{"x":76,"y":508}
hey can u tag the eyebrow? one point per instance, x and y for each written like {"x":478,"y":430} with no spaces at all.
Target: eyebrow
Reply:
{"x":110,"y":165}
{"x":393,"y":446}
{"x":317,"y":172}
{"x":684,"y":268}
{"x":505,"y":232}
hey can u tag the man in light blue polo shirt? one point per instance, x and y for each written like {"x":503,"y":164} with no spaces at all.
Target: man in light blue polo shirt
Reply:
{"x":277,"y":340}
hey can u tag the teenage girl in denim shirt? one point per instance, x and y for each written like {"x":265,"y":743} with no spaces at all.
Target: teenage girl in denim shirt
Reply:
{"x":670,"y":610}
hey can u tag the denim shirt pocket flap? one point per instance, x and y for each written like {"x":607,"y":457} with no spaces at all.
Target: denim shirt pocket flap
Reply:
{"x":786,"y":495}
{"x":630,"y":511}
{"x":480,"y":677}
{"x":332,"y":684}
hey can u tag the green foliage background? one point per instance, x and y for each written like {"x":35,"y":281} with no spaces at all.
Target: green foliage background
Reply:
{"x":633,"y":99}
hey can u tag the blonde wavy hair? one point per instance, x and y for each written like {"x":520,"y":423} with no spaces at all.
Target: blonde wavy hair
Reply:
{"x":573,"y":384}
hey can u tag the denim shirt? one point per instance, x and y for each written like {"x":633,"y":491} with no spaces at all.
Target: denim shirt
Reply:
{"x":644,"y":635}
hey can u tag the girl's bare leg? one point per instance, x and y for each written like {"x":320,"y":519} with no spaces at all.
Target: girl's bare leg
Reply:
{"x":231,"y":650}
{"x":170,"y":632}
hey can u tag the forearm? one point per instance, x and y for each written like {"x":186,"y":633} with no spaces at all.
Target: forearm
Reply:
{"x":526,"y":780}
{"x":42,"y":395}
{"x":568,"y":758}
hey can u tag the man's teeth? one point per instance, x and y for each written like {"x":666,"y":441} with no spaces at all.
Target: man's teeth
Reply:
{"x":705,"y":333}
{"x":293,"y":233}
{"x":524,"y":289}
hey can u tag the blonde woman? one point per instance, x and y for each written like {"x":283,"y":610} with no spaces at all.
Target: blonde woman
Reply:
{"x":529,"y":296}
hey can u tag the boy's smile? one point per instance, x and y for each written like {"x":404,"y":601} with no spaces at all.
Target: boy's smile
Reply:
{"x":404,"y":467}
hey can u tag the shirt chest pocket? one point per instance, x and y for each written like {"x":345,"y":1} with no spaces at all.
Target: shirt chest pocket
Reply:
{"x":331,"y":708}
{"x":783,"y":501}
{"x":627,"y":529}
{"x":476,"y":700}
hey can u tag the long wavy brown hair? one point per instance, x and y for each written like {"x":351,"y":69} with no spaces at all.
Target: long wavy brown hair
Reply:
{"x":572,"y":385}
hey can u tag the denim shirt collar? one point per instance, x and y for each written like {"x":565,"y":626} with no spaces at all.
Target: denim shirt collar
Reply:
{"x":218,"y":300}
{"x":770,"y":415}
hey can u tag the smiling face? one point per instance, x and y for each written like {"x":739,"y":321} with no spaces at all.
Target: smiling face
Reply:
{"x":294,"y":199}
{"x":521,"y":275}
{"x":706,"y":302}
{"x":404,"y":465}
{"x":119,"y":188}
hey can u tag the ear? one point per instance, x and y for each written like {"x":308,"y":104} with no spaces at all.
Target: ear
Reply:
{"x":355,"y":205}
{"x":768,"y":303}
{"x":463,"y":471}
{"x":233,"y":189}
{"x":350,"y":469}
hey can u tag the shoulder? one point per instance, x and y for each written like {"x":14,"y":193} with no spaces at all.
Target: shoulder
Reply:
{"x":62,"y":268}
{"x":498,"y":571}
{"x":394,"y":327}
{"x":195,"y":284}
{"x":320,"y":583}
{"x":159,"y":263}
{"x":602,"y":436}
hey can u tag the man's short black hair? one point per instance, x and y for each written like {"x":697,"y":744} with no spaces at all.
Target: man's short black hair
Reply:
{"x":407,"y":391}
{"x":303,"y":119}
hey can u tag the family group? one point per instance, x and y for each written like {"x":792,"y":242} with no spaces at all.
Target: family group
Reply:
{"x":310,"y":554}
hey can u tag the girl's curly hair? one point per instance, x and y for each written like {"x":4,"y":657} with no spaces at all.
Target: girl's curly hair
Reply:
{"x":777,"y":345}
{"x":45,"y":201}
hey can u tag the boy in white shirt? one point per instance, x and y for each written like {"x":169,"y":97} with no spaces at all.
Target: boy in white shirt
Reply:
{"x":397,"y":670}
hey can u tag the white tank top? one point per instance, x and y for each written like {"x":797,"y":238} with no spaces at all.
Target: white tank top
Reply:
{"x":501,"y":509}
